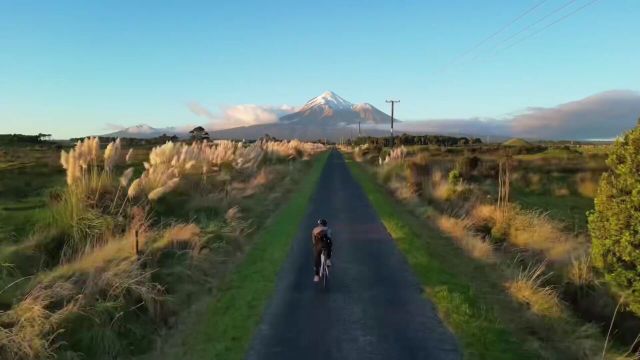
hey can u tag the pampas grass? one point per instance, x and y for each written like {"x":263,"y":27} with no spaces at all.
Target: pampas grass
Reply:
{"x":396,"y":155}
{"x":106,"y":285}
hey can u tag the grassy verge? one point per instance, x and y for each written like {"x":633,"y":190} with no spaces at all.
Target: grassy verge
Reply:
{"x":224,"y":331}
{"x":457,"y":286}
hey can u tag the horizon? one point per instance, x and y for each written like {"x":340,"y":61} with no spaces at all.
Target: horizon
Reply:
{"x":93,"y":68}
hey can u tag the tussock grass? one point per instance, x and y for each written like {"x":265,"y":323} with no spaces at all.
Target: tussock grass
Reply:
{"x":587,"y":184}
{"x":179,"y":237}
{"x":529,"y":288}
{"x":580,"y":271}
{"x":461,"y":232}
{"x":534,"y":230}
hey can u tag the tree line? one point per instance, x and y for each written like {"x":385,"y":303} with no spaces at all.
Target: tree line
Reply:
{"x":406,"y":139}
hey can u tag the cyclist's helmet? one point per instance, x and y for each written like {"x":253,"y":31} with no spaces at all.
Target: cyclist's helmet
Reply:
{"x":322,"y":222}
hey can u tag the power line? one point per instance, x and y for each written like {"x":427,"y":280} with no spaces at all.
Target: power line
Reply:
{"x":504,"y":41}
{"x":496,"y":33}
{"x":550,"y":24}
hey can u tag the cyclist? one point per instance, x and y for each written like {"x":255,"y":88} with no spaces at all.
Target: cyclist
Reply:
{"x":321,"y":237}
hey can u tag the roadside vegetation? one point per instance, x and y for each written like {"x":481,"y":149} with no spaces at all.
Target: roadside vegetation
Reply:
{"x":122,"y":241}
{"x":518,"y":213}
{"x":223,"y":326}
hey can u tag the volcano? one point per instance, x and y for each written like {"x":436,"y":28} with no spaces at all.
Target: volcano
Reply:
{"x":327,"y":116}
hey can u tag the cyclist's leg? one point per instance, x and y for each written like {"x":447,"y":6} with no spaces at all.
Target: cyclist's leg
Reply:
{"x":317,"y":254}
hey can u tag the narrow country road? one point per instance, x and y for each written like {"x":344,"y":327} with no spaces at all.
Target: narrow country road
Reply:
{"x":374,"y":308}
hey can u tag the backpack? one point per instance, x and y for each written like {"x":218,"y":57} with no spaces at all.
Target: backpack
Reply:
{"x":321,"y":237}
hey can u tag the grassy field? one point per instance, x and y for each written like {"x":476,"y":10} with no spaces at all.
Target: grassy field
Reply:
{"x":99,"y":259}
{"x":455,"y":290}
{"x":534,"y":249}
{"x":27,"y":174}
{"x":570,"y":209}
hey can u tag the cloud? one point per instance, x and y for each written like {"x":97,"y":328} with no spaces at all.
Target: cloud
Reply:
{"x":602,"y":116}
{"x":240,"y":115}
{"x":114,"y":127}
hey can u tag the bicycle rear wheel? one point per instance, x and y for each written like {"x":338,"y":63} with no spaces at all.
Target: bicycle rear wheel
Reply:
{"x":324,"y":271}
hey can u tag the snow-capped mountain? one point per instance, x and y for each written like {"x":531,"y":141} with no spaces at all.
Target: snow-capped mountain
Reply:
{"x":329,"y":109}
{"x":143,"y":131}
{"x":327,"y":116}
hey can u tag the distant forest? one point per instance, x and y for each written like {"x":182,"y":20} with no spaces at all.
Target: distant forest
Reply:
{"x":406,"y":139}
{"x":12,"y":139}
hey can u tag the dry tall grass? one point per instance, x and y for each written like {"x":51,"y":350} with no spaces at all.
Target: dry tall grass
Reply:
{"x":528,"y":238}
{"x":171,"y":161}
{"x":528,"y":288}
{"x":587,"y":184}
{"x":461,"y":231}
{"x":535,"y":230}
{"x":532,"y":229}
{"x":396,"y":155}
{"x":580,"y":271}
{"x":113,"y":250}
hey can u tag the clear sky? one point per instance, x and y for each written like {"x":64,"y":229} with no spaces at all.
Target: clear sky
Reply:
{"x":72,"y":67}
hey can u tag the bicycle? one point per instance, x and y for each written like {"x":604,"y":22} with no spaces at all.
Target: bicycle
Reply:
{"x":324,"y":269}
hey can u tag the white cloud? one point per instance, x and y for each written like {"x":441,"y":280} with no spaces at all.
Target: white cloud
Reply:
{"x":604,"y":115}
{"x":601,"y":116}
{"x":114,"y":127}
{"x":240,"y":115}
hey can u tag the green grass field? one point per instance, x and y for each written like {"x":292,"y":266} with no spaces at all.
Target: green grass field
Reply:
{"x":571,"y":209}
{"x":26,"y":176}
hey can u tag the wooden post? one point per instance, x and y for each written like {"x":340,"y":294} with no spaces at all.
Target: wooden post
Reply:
{"x":137,"y":244}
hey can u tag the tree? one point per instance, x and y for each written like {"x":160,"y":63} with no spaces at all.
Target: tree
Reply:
{"x":44,"y":137}
{"x":614,"y":224}
{"x":199,"y":133}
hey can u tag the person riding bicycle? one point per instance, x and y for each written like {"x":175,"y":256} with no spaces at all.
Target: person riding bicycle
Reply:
{"x":321,"y":237}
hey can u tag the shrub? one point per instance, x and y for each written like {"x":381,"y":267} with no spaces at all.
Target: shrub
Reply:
{"x":467,"y":165}
{"x":454,"y":177}
{"x":614,"y":224}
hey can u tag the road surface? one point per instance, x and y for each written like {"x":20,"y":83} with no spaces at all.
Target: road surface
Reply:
{"x":374,"y":308}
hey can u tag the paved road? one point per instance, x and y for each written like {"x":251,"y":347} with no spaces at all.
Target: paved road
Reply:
{"x":374,"y":308}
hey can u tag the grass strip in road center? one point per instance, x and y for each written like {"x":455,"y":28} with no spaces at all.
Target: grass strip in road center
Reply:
{"x":432,"y":258}
{"x":225,"y":330}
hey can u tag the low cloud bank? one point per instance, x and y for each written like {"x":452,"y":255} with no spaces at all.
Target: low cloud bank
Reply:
{"x":240,"y":115}
{"x":602,"y":116}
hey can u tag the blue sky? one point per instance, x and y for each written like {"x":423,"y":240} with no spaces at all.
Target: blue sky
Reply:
{"x":72,"y":67}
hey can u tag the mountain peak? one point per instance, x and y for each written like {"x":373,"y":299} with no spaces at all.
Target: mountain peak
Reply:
{"x":329,"y":109}
{"x":329,"y":99}
{"x":143,"y":128}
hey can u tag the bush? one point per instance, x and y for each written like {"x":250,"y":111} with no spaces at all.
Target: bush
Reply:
{"x":467,"y":165}
{"x":614,"y":224}
{"x":454,"y":178}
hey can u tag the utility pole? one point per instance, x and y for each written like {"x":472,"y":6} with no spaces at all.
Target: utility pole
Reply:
{"x":392,"y":102}
{"x":359,"y":128}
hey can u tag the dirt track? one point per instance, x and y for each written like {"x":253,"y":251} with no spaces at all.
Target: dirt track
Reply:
{"x":374,"y":308}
